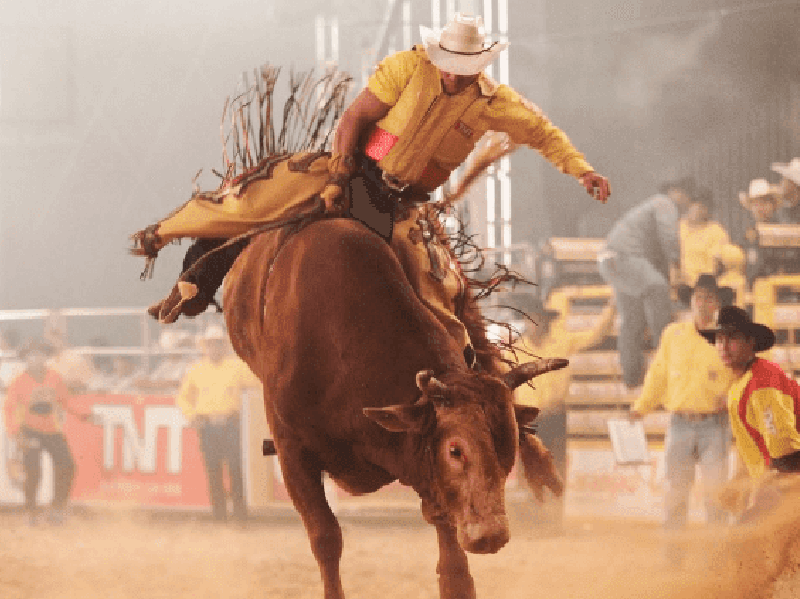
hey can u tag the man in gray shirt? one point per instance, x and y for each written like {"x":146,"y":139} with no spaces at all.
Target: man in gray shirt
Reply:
{"x":640,"y":250}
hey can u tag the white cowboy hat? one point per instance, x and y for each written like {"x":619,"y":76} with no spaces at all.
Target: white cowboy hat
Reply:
{"x":759,"y":188}
{"x":460,"y":48}
{"x":214,"y":333}
{"x":789,"y":171}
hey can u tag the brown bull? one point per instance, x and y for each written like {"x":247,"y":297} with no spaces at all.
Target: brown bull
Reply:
{"x":361,"y":381}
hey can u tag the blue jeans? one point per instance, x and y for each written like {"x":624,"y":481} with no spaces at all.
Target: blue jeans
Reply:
{"x":63,"y":466}
{"x":643,"y":303}
{"x":690,"y":442}
{"x":652,"y":311}
{"x":221,"y":443}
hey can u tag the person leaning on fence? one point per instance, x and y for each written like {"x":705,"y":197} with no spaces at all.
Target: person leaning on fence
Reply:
{"x":210,"y":398}
{"x":688,"y":380}
{"x":762,"y":404}
{"x":422,"y":113}
{"x":640,"y":261}
{"x":34,"y":414}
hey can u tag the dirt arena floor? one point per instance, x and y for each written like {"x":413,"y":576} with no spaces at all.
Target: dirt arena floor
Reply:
{"x":115,"y":554}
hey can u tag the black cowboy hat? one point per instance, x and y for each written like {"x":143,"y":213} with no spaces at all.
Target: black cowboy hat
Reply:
{"x":725,"y":295}
{"x":735,"y":319}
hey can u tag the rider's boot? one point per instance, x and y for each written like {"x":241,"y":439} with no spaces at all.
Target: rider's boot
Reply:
{"x":195,"y":290}
{"x":185,"y":298}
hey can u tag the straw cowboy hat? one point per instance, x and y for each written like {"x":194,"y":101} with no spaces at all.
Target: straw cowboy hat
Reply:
{"x":759,"y":189}
{"x":460,"y":48}
{"x":732,"y":319}
{"x":789,"y":171}
{"x":213,"y":333}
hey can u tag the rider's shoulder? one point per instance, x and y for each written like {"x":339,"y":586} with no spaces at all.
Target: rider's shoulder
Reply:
{"x":507,"y":96}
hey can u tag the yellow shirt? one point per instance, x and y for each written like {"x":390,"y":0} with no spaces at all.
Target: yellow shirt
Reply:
{"x":210,"y":388}
{"x":437,"y":131}
{"x":552,"y":388}
{"x":700,"y":246}
{"x":686,"y":374}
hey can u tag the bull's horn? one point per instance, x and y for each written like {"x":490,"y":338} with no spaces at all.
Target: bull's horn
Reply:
{"x":426,"y":382}
{"x":525,"y":372}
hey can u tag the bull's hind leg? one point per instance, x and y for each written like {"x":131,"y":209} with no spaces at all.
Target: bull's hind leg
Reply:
{"x":455,"y":581}
{"x":303,"y":478}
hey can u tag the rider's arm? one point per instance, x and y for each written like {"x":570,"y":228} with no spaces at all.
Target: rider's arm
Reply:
{"x":525,"y":124}
{"x":365,"y":110}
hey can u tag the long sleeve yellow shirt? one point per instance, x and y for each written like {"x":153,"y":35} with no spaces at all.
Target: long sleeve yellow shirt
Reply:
{"x":436,"y":131}
{"x":214,"y":388}
{"x":700,"y":246}
{"x":686,"y":374}
{"x":553,"y":387}
{"x":761,"y":405}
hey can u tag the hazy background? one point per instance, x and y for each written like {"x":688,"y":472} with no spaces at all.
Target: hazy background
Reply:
{"x":109,"y":109}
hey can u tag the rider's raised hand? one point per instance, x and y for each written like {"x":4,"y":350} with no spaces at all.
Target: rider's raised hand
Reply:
{"x":596,"y":185}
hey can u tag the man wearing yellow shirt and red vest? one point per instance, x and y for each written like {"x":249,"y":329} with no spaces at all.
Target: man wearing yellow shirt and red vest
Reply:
{"x":763,"y":404}
{"x":687,"y":379}
{"x":210,"y":397}
{"x":421,"y":114}
{"x":764,"y":401}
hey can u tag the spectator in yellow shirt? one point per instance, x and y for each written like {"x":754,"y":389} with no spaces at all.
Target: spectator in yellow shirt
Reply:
{"x":545,"y":337}
{"x":687,"y":379}
{"x":702,"y":239}
{"x":210,"y":397}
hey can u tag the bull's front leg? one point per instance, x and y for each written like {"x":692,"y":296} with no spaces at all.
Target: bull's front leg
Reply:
{"x":303,"y":479}
{"x":455,"y":581}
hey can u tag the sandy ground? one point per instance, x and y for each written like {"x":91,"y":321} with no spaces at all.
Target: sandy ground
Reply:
{"x":117,"y":554}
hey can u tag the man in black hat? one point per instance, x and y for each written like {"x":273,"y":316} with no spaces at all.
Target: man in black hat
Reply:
{"x":687,"y":379}
{"x":763,"y":400}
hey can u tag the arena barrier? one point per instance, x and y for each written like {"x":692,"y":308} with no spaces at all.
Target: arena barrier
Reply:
{"x":137,"y":451}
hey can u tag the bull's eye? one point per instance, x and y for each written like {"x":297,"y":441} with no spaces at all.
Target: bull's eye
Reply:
{"x":455,"y":451}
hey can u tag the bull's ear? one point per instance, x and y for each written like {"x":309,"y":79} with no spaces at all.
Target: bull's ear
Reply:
{"x":525,"y":414}
{"x":525,"y":372}
{"x":400,"y":419}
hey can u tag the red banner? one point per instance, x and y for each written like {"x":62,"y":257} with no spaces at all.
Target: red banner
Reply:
{"x":136,"y":449}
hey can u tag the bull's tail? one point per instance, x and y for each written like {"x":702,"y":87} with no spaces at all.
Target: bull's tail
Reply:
{"x":538,"y":466}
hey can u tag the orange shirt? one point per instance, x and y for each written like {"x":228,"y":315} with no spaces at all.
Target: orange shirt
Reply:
{"x":37,"y":405}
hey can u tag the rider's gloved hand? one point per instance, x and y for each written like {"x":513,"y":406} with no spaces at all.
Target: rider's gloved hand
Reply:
{"x":341,"y":167}
{"x":333,"y":196}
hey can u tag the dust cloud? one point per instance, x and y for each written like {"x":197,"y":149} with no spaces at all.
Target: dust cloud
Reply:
{"x":117,"y":554}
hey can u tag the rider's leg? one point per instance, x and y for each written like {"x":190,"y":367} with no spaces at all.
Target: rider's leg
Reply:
{"x":439,"y":293}
{"x":281,"y":189}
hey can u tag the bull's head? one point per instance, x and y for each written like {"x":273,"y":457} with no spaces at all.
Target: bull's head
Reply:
{"x":468,"y":429}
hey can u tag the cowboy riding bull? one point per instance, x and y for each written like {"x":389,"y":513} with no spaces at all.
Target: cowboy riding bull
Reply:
{"x":368,"y":340}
